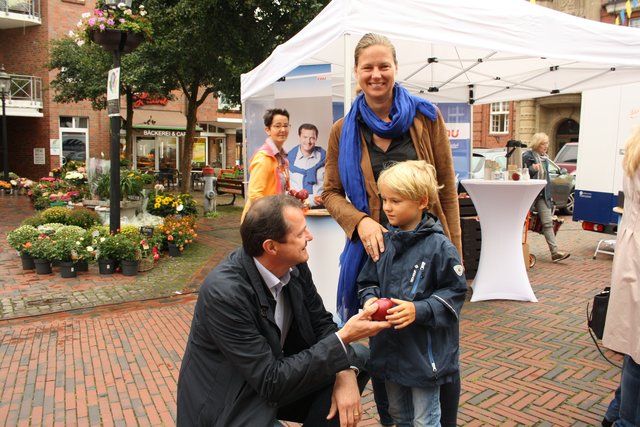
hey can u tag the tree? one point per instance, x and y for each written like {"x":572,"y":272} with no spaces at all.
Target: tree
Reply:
{"x":206,"y":45}
{"x":82,"y":76}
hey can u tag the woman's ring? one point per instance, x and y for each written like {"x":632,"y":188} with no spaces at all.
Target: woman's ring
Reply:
{"x":368,"y":244}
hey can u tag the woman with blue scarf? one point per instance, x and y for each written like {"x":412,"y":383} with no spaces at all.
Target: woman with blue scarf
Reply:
{"x":386,"y":124}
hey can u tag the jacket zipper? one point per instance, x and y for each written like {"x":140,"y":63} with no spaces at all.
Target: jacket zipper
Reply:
{"x":413,"y":281}
{"x":430,"y":354}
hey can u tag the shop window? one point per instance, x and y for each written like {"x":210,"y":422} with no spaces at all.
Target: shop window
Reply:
{"x":500,"y":117}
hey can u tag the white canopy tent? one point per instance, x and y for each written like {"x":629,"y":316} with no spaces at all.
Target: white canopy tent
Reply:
{"x":461,"y":50}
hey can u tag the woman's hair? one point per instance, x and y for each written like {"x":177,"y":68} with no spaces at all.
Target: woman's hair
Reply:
{"x":373,"y":39}
{"x":631,"y":159}
{"x":413,"y":180}
{"x":537,"y":140}
{"x":268,"y":115}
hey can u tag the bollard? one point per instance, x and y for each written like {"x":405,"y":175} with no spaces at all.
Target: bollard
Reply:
{"x":209,"y":176}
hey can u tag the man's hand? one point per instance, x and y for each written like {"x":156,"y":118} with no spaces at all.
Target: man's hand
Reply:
{"x":361,"y":326}
{"x":345,"y":399}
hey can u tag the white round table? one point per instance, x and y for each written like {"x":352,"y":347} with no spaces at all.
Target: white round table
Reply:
{"x":502,"y":207}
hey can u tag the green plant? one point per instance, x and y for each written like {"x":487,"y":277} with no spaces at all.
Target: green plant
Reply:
{"x":49,"y":228}
{"x":83,"y":217}
{"x":58,"y":214}
{"x":131,"y":183}
{"x":22,"y":237}
{"x":63,"y":246}
{"x":117,"y":247}
{"x":43,"y":247}
{"x":82,"y":248}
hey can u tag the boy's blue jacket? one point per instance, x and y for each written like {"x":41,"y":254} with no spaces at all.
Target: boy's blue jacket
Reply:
{"x":421,"y":266}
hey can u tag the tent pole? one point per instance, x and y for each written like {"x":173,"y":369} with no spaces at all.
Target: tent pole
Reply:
{"x":347,"y":73}
{"x":245,"y":166}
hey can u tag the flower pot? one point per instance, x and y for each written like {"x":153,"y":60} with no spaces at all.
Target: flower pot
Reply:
{"x":82,"y":265}
{"x":129,"y":268}
{"x":43,"y":266}
{"x":67,"y":269}
{"x":106,"y":266}
{"x":174,"y":250}
{"x":27,"y":261}
{"x":117,"y":40}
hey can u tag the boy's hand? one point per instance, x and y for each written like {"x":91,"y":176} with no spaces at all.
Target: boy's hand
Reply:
{"x":402,"y":314}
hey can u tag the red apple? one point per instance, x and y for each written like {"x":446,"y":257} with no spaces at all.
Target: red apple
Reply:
{"x":302,"y":194}
{"x":293,"y":193}
{"x":515,"y":176}
{"x":384,"y":304}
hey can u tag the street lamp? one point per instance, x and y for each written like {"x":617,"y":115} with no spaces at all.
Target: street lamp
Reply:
{"x":124,"y":43}
{"x":5,"y":88}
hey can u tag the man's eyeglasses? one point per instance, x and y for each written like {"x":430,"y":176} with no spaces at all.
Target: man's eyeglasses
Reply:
{"x":279,"y":126}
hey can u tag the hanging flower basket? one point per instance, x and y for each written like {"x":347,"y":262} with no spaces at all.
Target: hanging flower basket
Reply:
{"x":110,"y":40}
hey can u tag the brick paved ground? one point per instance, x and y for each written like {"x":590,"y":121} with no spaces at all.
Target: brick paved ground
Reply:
{"x":522,"y":363}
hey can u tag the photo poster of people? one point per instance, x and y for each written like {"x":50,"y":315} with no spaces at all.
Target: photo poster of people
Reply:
{"x":457,"y":118}
{"x":305,"y":93}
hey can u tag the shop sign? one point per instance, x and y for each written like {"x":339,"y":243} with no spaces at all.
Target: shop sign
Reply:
{"x":172,"y":133}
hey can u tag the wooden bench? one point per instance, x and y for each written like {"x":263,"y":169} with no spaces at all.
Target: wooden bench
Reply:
{"x":230,"y":186}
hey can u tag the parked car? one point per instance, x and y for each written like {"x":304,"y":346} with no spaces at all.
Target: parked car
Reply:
{"x":567,"y":157}
{"x":562,"y":182}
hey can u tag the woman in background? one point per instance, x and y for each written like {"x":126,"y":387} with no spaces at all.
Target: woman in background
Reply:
{"x":536,"y":160}
{"x":622,"y":327}
{"x":269,"y":167}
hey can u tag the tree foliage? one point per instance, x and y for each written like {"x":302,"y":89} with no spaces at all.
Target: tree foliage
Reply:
{"x":199,"y":46}
{"x":208,"y":44}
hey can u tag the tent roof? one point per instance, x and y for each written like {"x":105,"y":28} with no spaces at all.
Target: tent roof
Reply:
{"x":506,"y":49}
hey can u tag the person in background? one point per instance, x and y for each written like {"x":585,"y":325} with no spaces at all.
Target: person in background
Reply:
{"x":535,"y":159}
{"x":622,"y":325}
{"x":262,"y":346}
{"x":306,"y":164}
{"x":269,"y":167}
{"x":386,"y":124}
{"x":421,"y":272}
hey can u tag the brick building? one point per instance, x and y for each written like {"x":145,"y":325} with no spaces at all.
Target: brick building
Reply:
{"x":558,"y":116}
{"x":42,"y":133}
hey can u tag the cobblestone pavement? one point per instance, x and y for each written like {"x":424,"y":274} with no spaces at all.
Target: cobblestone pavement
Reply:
{"x":117,"y":364}
{"x":25,"y":293}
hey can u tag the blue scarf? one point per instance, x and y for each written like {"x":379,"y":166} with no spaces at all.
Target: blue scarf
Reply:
{"x":309,"y":176}
{"x":403,"y":112}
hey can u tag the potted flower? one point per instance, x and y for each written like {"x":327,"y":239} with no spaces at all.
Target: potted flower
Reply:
{"x":178,"y":233}
{"x":43,"y":252}
{"x":62,"y":252}
{"x":162,"y":204}
{"x":70,"y":249}
{"x":21,"y":239}
{"x":115,"y":248}
{"x":105,"y":26}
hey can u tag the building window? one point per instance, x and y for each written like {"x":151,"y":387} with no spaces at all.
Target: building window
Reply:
{"x":74,"y":135}
{"x":635,"y":22}
{"x":500,"y":117}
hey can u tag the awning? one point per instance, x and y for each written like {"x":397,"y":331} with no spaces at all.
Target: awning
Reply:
{"x":157,"y":119}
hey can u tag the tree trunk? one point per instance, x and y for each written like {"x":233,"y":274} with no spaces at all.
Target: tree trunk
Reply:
{"x":186,"y":152}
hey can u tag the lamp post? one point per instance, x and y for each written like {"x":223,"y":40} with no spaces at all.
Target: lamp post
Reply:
{"x":5,"y":88}
{"x":123,"y":44}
